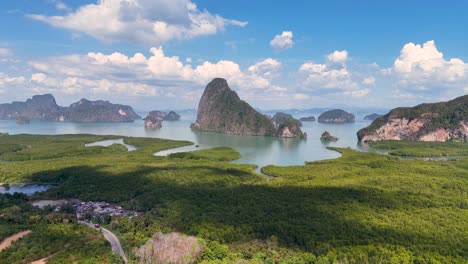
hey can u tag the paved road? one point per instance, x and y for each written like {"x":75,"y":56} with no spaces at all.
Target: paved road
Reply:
{"x":113,"y":240}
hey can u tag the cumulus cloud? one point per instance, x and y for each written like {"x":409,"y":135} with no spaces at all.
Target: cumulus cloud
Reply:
{"x":11,"y":84}
{"x":369,"y":80}
{"x":148,"y":22}
{"x":333,"y":77}
{"x":283,"y":41}
{"x":268,"y":68}
{"x":140,"y":75}
{"x":423,"y":67}
{"x":338,"y":56}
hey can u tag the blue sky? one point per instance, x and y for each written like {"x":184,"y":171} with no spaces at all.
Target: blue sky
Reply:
{"x":300,"y":54}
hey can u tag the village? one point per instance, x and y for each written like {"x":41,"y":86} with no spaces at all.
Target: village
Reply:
{"x":89,"y":209}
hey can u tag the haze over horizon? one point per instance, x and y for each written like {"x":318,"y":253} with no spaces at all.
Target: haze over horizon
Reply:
{"x":161,"y":54}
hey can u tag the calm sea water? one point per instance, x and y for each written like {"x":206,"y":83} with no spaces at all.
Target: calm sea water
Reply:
{"x":255,"y":150}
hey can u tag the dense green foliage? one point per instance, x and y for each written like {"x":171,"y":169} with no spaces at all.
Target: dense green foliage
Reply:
{"x":215,"y":154}
{"x":421,"y":149}
{"x":360,"y":208}
{"x":234,"y":110}
{"x":31,"y":147}
{"x":54,"y":235}
{"x":446,"y":115}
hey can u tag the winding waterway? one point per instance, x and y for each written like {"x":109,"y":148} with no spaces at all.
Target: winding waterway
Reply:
{"x":255,"y":150}
{"x":27,"y":189}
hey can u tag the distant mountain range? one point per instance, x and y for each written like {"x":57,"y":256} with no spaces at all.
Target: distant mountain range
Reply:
{"x":44,"y":107}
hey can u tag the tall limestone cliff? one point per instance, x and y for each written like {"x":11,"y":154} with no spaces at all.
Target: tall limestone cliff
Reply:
{"x":426,"y":122}
{"x":221,"y":110}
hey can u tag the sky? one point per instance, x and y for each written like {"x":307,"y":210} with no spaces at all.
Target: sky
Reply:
{"x":160,"y":54}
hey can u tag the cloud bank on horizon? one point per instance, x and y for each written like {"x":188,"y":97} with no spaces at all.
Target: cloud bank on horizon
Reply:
{"x":420,"y":72}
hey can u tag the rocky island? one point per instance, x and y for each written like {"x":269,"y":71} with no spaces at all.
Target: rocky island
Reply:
{"x":281,"y":118}
{"x":22,"y":120}
{"x":307,"y":119}
{"x":287,"y":126}
{"x":153,"y":122}
{"x":44,"y":107}
{"x":171,"y":116}
{"x":163,"y":116}
{"x":221,"y":110}
{"x":154,"y":118}
{"x":327,"y":137}
{"x":336,"y":116}
{"x":97,"y":111}
{"x":372,"y":117}
{"x":425,"y":122}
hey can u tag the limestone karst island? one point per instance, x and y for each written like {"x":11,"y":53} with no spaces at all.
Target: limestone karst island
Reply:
{"x":233,"y":132}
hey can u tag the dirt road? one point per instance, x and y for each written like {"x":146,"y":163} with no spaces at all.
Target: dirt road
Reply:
{"x":9,"y":240}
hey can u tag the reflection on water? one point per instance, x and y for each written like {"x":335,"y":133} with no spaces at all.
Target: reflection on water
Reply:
{"x":256,"y":150}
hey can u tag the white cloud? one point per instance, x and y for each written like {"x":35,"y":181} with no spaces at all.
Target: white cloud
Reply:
{"x":358,"y":93}
{"x":5,"y":79}
{"x":338,"y":56}
{"x":59,"y":5}
{"x":328,"y":75}
{"x":301,"y":96}
{"x":334,"y":77}
{"x":268,"y":68}
{"x":157,"y":74}
{"x":398,"y":94}
{"x":283,"y":41}
{"x":369,"y":80}
{"x":423,"y":67}
{"x":322,"y":76}
{"x":4,"y":52}
{"x":38,"y":77}
{"x":149,"y":22}
{"x":11,"y":84}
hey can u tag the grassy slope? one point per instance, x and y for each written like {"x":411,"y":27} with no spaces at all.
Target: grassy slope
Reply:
{"x":61,"y":243}
{"x":359,"y":208}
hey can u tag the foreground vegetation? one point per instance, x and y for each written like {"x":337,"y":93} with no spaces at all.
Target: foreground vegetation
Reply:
{"x":421,"y":149}
{"x":360,"y":208}
{"x":55,"y":235}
